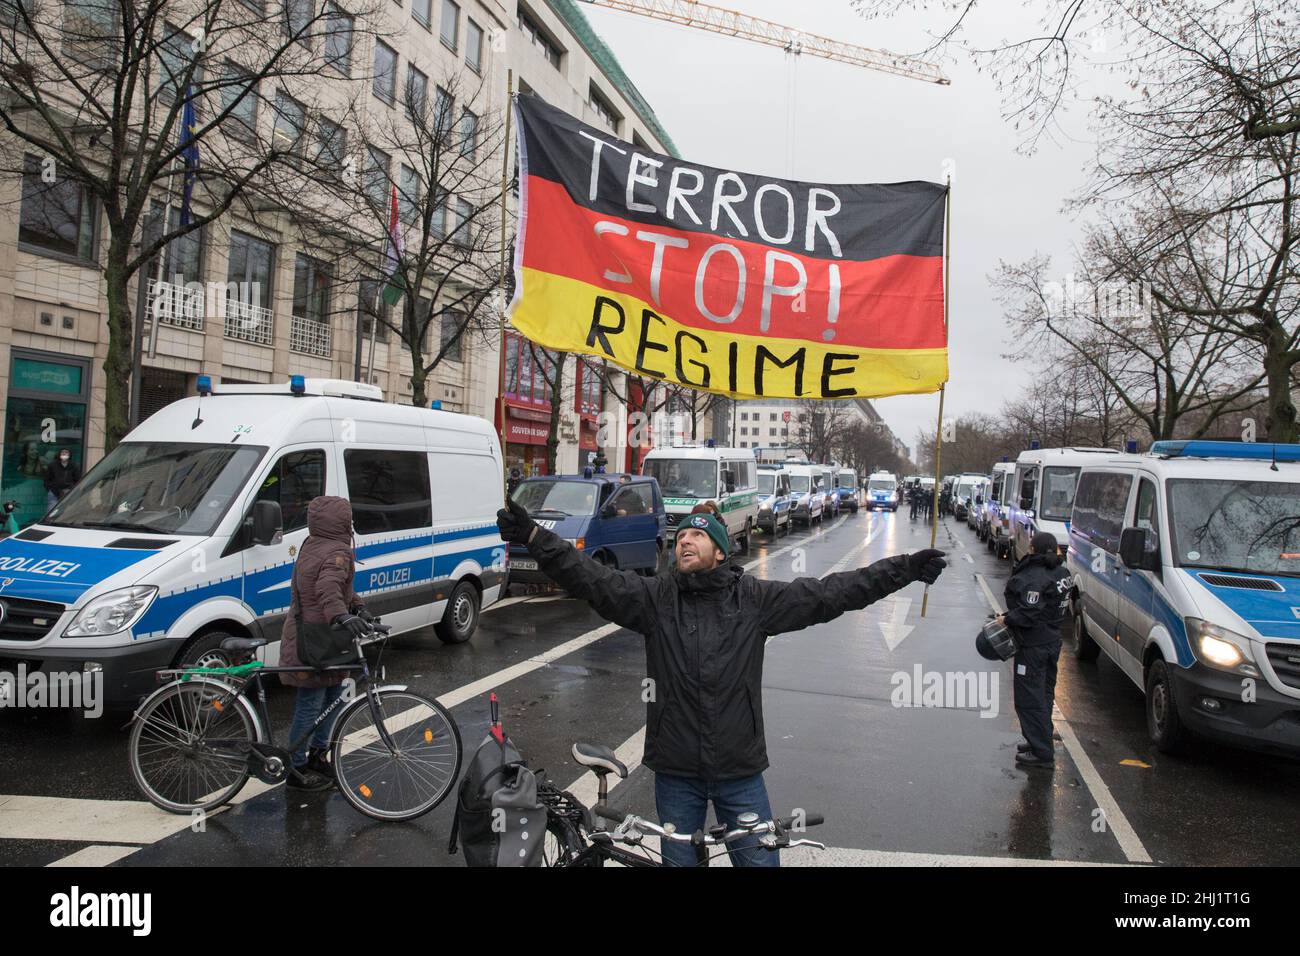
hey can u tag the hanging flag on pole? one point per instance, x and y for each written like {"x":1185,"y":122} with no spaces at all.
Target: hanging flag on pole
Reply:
{"x":392,"y":271}
{"x":189,"y":153}
{"x":726,"y":282}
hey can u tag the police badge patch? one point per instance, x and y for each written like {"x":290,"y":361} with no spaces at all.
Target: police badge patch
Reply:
{"x":1031,"y":597}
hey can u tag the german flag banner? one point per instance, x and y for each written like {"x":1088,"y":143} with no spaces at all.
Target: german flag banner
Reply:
{"x":726,"y":282}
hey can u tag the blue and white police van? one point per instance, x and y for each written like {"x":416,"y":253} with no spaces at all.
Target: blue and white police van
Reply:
{"x":1187,"y":570}
{"x":882,"y":491}
{"x":775,"y":503}
{"x":186,"y":532}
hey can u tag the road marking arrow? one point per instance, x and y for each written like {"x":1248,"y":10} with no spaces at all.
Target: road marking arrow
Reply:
{"x":895,"y":628}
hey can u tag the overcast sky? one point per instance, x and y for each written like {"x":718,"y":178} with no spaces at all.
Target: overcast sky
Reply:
{"x":726,"y":103}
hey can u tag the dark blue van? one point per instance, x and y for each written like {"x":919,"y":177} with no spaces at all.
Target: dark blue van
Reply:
{"x":617,"y":519}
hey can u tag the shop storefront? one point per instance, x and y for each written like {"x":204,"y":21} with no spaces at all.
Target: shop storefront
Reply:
{"x":45,"y":411}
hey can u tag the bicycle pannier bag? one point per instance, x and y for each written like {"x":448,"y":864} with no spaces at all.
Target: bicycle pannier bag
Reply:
{"x":320,"y":645}
{"x":499,"y":821}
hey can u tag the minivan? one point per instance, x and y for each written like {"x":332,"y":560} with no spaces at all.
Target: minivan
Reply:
{"x":1043,"y":493}
{"x":775,"y":506}
{"x":616,"y":519}
{"x":689,"y":475}
{"x":186,"y":532}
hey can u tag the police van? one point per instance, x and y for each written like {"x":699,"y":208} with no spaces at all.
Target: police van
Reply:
{"x":689,"y":475}
{"x":806,"y":496}
{"x":186,"y":532}
{"x":775,"y":506}
{"x":1043,"y":492}
{"x":882,"y":491}
{"x":995,"y":525}
{"x":1187,"y":568}
{"x":846,"y":487}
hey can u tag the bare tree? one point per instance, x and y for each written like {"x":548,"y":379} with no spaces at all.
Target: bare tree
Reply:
{"x":92,"y":94}
{"x":819,"y":426}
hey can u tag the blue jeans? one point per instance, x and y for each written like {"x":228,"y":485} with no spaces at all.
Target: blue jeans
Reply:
{"x":311,"y":701}
{"x":684,"y":802}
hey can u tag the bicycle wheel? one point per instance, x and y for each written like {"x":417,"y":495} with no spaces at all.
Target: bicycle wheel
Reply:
{"x":189,"y":746}
{"x":412,"y":777}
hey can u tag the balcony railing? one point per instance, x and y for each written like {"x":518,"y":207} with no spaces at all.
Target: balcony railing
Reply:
{"x":176,"y":305}
{"x":309,"y":336}
{"x":251,"y":323}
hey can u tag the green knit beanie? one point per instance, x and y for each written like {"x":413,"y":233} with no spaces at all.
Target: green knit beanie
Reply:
{"x":708,"y":522}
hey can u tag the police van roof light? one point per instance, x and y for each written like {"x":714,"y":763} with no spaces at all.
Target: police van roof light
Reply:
{"x":1131,"y":446}
{"x":710,"y":443}
{"x":297,"y":385}
{"x":1033,"y":444}
{"x":205,"y":384}
{"x":1254,"y":451}
{"x":436,"y":404}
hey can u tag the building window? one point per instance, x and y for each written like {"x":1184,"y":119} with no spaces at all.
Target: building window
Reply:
{"x":56,"y":217}
{"x":538,"y":37}
{"x":91,"y":34}
{"x":338,"y":39}
{"x":248,"y":272}
{"x":438,"y":219}
{"x":417,"y":92}
{"x":468,"y":133}
{"x":474,"y":46}
{"x":371,"y":305}
{"x":604,"y":112}
{"x":311,"y":289}
{"x":421,"y":10}
{"x":331,"y":144}
{"x":175,"y":58}
{"x":450,"y":31}
{"x":183,"y":256}
{"x":442,"y":106}
{"x":376,"y":177}
{"x":385,"y":81}
{"x":771,"y":417}
{"x":453,"y":334}
{"x":588,"y":391}
{"x":290,"y":123}
{"x":242,"y":116}
{"x":408,"y":193}
{"x":462,"y":227}
{"x":298,"y":16}
{"x":744,"y":416}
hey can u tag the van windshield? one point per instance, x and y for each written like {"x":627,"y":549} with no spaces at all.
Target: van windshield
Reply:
{"x":1058,"y":493}
{"x":799,"y":483}
{"x":880,"y":484}
{"x":766,"y":483}
{"x":562,"y":498}
{"x":684,"y":477}
{"x":1251,"y":526}
{"x":846,"y":479}
{"x":161,"y":487}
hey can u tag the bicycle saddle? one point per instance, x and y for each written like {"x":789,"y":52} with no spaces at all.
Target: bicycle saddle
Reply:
{"x":600,"y":759}
{"x":243,"y":643}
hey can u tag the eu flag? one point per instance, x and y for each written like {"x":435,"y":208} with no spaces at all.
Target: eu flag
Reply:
{"x":189,"y":152}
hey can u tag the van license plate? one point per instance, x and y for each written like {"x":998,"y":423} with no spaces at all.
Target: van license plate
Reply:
{"x":523,"y":564}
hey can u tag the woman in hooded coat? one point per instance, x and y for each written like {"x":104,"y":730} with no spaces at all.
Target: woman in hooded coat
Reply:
{"x":322,"y":594}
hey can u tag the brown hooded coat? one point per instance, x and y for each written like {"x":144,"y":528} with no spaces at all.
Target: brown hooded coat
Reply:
{"x":322,"y":583}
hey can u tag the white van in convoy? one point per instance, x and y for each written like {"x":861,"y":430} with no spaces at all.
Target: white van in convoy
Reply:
{"x":1187,"y":570}
{"x":186,"y":532}
{"x":1043,"y":493}
{"x":689,"y":475}
{"x":882,"y":491}
{"x":995,"y":525}
{"x":808,"y":498}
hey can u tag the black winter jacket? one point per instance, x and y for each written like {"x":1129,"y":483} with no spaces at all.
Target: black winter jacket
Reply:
{"x":705,"y":635}
{"x":1037,"y":596}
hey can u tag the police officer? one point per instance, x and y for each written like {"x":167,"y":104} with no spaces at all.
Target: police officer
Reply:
{"x":1037,"y":596}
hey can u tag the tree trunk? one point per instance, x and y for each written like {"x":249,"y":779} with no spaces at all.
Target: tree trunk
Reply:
{"x":553,"y":439}
{"x":419,"y":398}
{"x":121,"y":333}
{"x":1278,"y":362}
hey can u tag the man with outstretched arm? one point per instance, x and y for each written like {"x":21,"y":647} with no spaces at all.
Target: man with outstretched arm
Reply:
{"x":705,"y":623}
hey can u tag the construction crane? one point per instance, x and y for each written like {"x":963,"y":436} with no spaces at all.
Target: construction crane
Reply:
{"x":704,"y":16}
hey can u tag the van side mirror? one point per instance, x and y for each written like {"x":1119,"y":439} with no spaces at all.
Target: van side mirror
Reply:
{"x":1137,"y":550}
{"x":267,"y":522}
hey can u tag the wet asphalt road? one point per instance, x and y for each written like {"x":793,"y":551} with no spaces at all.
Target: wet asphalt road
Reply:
{"x":897,"y":784}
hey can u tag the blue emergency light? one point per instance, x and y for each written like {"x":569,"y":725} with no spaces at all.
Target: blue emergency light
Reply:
{"x":436,"y":404}
{"x":1131,"y":446}
{"x":297,"y":385}
{"x":1251,"y":450}
{"x":205,"y":384}
{"x":1033,"y":444}
{"x":709,"y":443}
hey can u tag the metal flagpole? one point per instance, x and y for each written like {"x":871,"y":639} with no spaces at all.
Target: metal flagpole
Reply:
{"x":505,"y":174}
{"x":938,"y":430}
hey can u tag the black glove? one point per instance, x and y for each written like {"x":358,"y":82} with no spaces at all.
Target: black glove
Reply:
{"x":514,"y":524}
{"x":366,"y":615}
{"x":353,"y":623}
{"x":926,"y":565}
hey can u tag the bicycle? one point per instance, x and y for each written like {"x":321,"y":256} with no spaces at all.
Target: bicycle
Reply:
{"x":196,"y":741}
{"x":575,"y":840}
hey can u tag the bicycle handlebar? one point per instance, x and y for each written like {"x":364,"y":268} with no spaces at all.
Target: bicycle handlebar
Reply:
{"x":630,"y":828}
